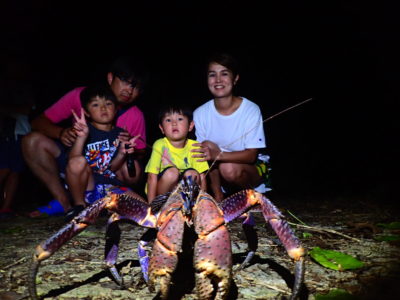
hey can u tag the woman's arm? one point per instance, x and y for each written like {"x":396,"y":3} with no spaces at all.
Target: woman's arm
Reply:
{"x":209,"y":151}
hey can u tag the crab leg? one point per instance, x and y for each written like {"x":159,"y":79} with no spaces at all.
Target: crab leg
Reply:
{"x":133,"y":208}
{"x":212,"y":252}
{"x":288,"y":239}
{"x":241,"y":202}
{"x":164,"y":257}
{"x":52,"y":244}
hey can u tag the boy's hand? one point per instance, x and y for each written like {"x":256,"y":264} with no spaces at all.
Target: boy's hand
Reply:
{"x":129,"y":145}
{"x":80,"y":126}
{"x":124,"y":136}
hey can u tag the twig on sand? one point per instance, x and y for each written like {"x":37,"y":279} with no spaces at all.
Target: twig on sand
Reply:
{"x":274,"y":288}
{"x":19,"y":261}
{"x":323,"y":230}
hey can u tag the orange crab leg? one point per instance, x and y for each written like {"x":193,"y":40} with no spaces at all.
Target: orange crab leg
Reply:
{"x":212,"y":251}
{"x":164,"y":257}
{"x":239,"y":203}
{"x":52,"y":244}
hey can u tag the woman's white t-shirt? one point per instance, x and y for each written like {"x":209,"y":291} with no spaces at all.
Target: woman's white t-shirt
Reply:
{"x":243,"y":129}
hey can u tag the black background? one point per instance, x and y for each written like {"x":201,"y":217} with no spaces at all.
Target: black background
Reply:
{"x":343,"y":54}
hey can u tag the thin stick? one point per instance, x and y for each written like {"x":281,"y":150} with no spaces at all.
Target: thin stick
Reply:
{"x":21,"y":260}
{"x":268,"y":119}
{"x":323,"y":230}
{"x":297,"y":219}
{"x":264,"y":121}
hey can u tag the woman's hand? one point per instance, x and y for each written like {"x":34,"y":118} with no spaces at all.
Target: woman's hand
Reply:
{"x":206,"y":151}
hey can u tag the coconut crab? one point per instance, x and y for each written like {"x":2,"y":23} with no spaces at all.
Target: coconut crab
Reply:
{"x":172,"y":214}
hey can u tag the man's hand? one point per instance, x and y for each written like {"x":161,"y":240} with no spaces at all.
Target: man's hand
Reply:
{"x":68,"y":136}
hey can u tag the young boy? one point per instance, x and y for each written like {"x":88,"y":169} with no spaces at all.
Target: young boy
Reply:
{"x":45,"y":148}
{"x":97,"y":152}
{"x":171,"y":157}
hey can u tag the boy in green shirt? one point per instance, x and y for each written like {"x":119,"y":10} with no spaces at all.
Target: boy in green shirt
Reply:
{"x":171,"y":158}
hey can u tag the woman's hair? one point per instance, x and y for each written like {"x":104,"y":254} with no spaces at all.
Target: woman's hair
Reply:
{"x":226,"y":60}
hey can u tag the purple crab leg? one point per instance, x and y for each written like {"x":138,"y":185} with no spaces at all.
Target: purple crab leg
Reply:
{"x":289,"y":240}
{"x":113,"y":235}
{"x":52,"y":244}
{"x":251,"y":238}
{"x":144,"y":251}
{"x":241,"y":202}
{"x":134,"y":208}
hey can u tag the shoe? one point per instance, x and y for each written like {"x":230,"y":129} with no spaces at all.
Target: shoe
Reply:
{"x":262,"y":188}
{"x":73,"y":212}
{"x":264,"y":170}
{"x":53,"y":208}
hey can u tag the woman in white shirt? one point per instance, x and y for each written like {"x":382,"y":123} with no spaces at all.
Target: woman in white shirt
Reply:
{"x":229,"y":129}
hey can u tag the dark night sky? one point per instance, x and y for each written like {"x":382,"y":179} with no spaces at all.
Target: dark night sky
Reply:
{"x":343,"y":54}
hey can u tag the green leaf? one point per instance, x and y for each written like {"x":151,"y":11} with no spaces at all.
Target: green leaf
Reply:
{"x":307,"y":235}
{"x":387,"y":238}
{"x":336,"y":294}
{"x":392,"y":225}
{"x":335,"y":260}
{"x":89,"y":234}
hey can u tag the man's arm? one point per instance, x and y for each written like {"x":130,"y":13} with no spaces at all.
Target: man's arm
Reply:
{"x":42,"y":124}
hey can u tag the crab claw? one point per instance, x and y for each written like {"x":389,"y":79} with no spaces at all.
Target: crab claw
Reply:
{"x":133,"y":208}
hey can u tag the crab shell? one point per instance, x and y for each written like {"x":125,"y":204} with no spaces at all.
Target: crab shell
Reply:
{"x":212,"y":250}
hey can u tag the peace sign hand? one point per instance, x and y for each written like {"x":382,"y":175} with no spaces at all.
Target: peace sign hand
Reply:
{"x":128,"y":147}
{"x":80,"y":125}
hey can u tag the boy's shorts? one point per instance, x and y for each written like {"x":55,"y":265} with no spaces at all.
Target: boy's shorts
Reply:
{"x":180,"y":172}
{"x":99,"y":191}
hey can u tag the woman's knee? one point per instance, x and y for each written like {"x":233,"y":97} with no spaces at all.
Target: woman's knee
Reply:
{"x":230,"y":172}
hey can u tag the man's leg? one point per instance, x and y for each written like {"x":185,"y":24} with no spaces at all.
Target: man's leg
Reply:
{"x":40,"y":153}
{"x":10,"y":189}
